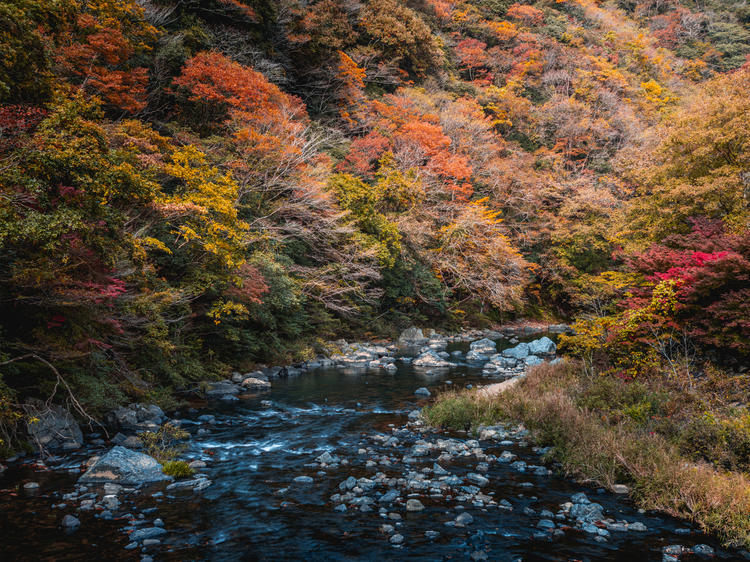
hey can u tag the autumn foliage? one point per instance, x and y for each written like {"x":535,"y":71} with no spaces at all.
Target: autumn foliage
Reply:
{"x":188,"y":187}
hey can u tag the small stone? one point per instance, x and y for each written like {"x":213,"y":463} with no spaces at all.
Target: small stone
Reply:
{"x":303,"y":480}
{"x":545,"y":524}
{"x":143,"y":534}
{"x":31,"y":485}
{"x":422,"y":392}
{"x":673,"y":549}
{"x":414,"y":505}
{"x":620,"y":489}
{"x":397,"y":539}
{"x":70,"y":522}
{"x":637,"y":526}
{"x":703,"y":549}
{"x":464,"y":519}
{"x":151,"y":542}
{"x":131,"y":546}
{"x":431,"y":534}
{"x":158,"y":523}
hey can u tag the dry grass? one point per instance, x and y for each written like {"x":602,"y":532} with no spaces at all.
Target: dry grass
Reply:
{"x":595,"y":450}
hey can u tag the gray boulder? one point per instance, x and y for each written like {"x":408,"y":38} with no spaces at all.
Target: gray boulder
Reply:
{"x":122,"y":466}
{"x":252,"y":382}
{"x":588,"y":513}
{"x":413,"y":336}
{"x":543,"y":347}
{"x":221,"y":389}
{"x":521,"y":351}
{"x":533,"y":360}
{"x":428,"y":358}
{"x":474,"y":355}
{"x":483,"y":346}
{"x":139,"y":416}
{"x":55,"y":427}
{"x":422,"y":392}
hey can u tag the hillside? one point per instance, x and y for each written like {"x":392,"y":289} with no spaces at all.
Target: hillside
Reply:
{"x":190,"y":187}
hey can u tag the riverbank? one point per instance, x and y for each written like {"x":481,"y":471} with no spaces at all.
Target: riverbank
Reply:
{"x":682,"y":451}
{"x":332,"y":465}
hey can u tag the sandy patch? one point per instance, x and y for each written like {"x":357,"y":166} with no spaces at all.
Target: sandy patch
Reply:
{"x":495,"y":389}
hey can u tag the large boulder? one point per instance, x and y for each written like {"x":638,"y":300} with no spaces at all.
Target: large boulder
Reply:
{"x":521,"y":351}
{"x":54,"y":428}
{"x":412,"y":336}
{"x":121,"y":466}
{"x":533,"y":360}
{"x":543,"y":347}
{"x":483,"y":346}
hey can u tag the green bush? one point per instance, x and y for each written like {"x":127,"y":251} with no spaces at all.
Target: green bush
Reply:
{"x":162,"y":444}
{"x":178,"y":469}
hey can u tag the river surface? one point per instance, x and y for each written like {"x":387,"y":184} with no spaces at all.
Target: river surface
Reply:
{"x":254,"y":510}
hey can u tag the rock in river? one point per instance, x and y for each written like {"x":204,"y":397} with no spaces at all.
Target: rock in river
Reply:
{"x":543,"y":347}
{"x":70,"y":522}
{"x":483,"y":346}
{"x":122,"y":466}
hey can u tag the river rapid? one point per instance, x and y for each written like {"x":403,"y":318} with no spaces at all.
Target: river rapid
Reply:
{"x":256,"y":510}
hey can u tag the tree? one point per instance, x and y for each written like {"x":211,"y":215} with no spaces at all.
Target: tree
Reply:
{"x":699,"y":166}
{"x":400,"y":33}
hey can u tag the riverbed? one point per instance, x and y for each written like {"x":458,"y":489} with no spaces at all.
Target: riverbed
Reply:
{"x":256,"y":510}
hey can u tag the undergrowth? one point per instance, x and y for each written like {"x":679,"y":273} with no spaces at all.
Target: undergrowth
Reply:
{"x":178,"y":469}
{"x":645,"y":433}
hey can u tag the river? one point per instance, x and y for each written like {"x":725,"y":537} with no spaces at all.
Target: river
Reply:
{"x":254,"y":510}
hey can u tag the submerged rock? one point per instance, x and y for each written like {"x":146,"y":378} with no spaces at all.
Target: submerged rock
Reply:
{"x":123,"y":466}
{"x":71,"y":522}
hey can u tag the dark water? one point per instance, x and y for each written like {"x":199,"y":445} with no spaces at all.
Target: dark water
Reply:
{"x":253,"y":451}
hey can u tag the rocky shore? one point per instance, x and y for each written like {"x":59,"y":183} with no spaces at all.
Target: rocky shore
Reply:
{"x":459,"y":484}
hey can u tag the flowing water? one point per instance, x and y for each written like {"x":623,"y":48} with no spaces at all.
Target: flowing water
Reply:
{"x":254,"y":510}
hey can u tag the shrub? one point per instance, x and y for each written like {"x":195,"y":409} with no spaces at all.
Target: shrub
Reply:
{"x":162,"y":444}
{"x":178,"y":469}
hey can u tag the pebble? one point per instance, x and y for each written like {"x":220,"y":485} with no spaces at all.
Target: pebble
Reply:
{"x":70,"y":522}
{"x":31,"y":485}
{"x":414,"y":505}
{"x":397,"y":539}
{"x":464,"y":519}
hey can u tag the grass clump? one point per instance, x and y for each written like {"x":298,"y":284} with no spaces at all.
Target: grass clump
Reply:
{"x":461,"y":410}
{"x":673,"y":446}
{"x":178,"y":469}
